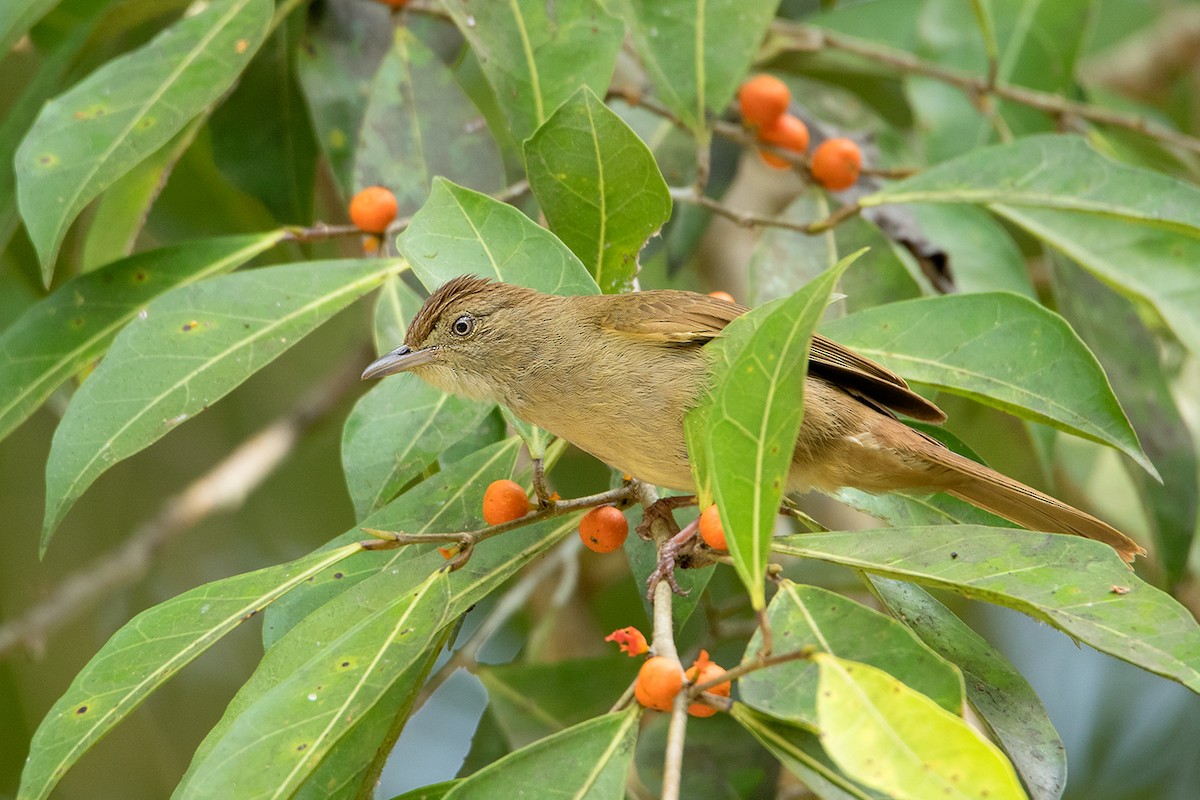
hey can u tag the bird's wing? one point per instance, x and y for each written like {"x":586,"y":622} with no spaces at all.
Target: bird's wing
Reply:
{"x":671,"y":317}
{"x":674,"y":317}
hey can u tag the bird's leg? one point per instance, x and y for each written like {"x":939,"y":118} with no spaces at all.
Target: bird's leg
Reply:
{"x":667,"y":557}
{"x":663,"y":509}
{"x":541,"y":488}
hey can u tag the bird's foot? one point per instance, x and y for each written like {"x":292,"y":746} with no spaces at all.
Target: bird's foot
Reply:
{"x":546,"y":497}
{"x":663,"y":509}
{"x":670,"y":555}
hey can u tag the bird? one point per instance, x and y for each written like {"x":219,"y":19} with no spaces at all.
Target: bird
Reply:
{"x":615,"y":374}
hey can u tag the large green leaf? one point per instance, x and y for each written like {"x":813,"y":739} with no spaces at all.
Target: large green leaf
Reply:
{"x":588,"y":761}
{"x":1079,"y":586}
{"x":537,"y":54}
{"x":1136,"y":230}
{"x":697,"y":53}
{"x":461,"y":232}
{"x":808,"y":616}
{"x":395,"y":431}
{"x":898,"y":741}
{"x":1129,"y":353}
{"x":599,"y":187}
{"x":339,"y":663}
{"x":66,"y":331}
{"x":147,"y":651}
{"x":739,"y":437}
{"x":1001,"y":349}
{"x":450,"y":500}
{"x":86,"y":138}
{"x":187,"y":350}
{"x":800,"y":751}
{"x":1004,"y":699}
{"x":418,"y":124}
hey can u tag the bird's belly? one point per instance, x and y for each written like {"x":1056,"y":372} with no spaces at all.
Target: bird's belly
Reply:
{"x":656,"y":457}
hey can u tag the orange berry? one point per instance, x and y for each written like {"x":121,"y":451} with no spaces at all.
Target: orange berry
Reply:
{"x":603,"y":529}
{"x":630,"y":639}
{"x":395,"y":3}
{"x":503,"y":502}
{"x":762,"y":100}
{"x":726,"y":296}
{"x":711,"y":529}
{"x":788,"y":133}
{"x":836,"y":163}
{"x":702,"y":671}
{"x":658,"y":681}
{"x":373,"y":209}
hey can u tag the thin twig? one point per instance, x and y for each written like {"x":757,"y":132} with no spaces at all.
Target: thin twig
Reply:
{"x":747,"y":220}
{"x":223,"y":488}
{"x":673,"y":763}
{"x":808,"y":38}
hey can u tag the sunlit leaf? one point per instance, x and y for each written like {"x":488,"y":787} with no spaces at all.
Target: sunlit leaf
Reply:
{"x":86,"y":138}
{"x":186,"y":351}
{"x":1002,"y":697}
{"x":147,"y":651}
{"x":1079,"y":586}
{"x":811,"y":617}
{"x":896,"y":740}
{"x":63,"y":333}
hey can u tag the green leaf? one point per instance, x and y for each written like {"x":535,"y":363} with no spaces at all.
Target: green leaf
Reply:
{"x":536,"y":55}
{"x":1004,"y":699}
{"x":1129,"y":353}
{"x":801,"y":753}
{"x":147,"y":651}
{"x":898,"y":741}
{"x":1001,"y":349}
{"x":121,"y":211}
{"x":450,"y":500}
{"x":599,"y":187}
{"x":18,"y":16}
{"x":187,"y":350}
{"x":395,"y":306}
{"x":336,"y":63}
{"x":461,"y":232}
{"x":810,"y":617}
{"x":395,"y":431}
{"x":86,"y":138}
{"x":435,"y":791}
{"x":66,"y":331}
{"x":1079,"y":586}
{"x":1064,"y":192}
{"x":739,"y":437}
{"x":419,"y":123}
{"x":696,"y":54}
{"x":589,"y":760}
{"x":901,"y":509}
{"x":274,"y":159}
{"x":352,"y":654}
{"x":983,"y":256}
{"x":530,"y":701}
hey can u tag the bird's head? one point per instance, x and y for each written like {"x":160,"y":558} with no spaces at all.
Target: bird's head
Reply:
{"x":463,"y":340}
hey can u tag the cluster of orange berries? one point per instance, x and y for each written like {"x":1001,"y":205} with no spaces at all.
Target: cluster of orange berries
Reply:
{"x":763,"y":101}
{"x":661,"y":678}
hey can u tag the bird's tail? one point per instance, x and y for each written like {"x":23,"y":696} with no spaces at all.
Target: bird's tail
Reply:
{"x":1028,"y":507}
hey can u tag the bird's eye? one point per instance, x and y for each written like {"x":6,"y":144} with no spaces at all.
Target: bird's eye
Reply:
{"x":463,"y":325}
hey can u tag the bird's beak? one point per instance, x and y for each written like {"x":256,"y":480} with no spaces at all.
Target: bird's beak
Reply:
{"x":399,"y":360}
